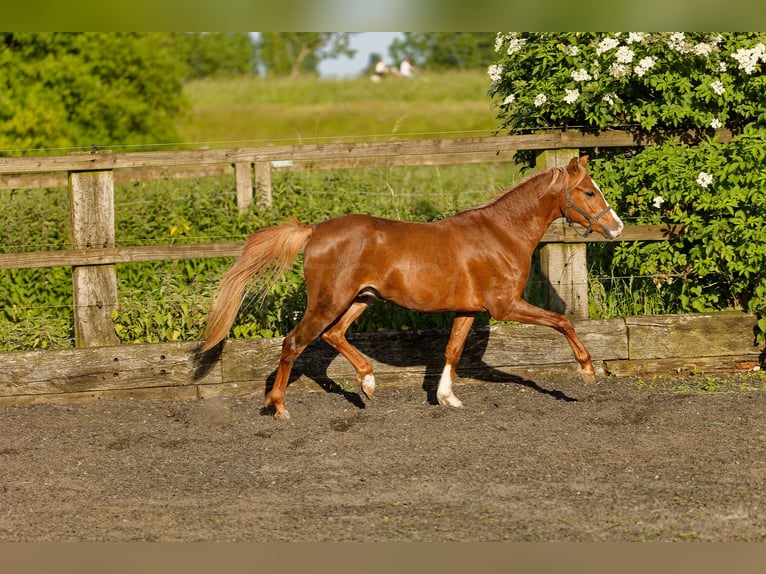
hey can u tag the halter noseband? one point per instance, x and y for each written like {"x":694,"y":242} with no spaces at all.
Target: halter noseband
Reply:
{"x":591,"y":219}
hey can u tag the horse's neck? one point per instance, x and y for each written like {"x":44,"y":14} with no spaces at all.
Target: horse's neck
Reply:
{"x":533,"y":204}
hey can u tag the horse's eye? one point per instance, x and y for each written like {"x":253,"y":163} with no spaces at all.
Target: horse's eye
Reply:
{"x":590,"y":193}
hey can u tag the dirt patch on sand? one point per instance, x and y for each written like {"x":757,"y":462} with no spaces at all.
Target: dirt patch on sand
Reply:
{"x":549,"y":460}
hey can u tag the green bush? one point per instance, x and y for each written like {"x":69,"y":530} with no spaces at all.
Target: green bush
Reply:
{"x":713,"y":190}
{"x":74,"y":89}
{"x":660,"y":84}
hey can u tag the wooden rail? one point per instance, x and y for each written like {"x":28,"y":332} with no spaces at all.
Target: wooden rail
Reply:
{"x":630,"y":346}
{"x":90,"y":179}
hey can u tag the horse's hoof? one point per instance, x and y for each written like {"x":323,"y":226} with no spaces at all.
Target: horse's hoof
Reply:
{"x":588,"y":378}
{"x":282,"y":415}
{"x":367,"y":386}
{"x":449,"y":401}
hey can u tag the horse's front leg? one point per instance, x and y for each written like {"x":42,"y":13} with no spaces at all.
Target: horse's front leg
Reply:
{"x":461,"y":326}
{"x":520,"y":310}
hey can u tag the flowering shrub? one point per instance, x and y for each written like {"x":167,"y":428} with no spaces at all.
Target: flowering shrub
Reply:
{"x":652,"y":83}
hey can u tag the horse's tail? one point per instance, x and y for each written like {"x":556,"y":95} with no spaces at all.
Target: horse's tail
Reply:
{"x":267,"y":255}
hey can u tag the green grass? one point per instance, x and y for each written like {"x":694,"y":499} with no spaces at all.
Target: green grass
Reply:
{"x":259,"y":111}
{"x":699,"y":383}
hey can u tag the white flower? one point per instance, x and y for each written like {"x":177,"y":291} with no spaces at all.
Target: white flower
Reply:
{"x":606,"y":44}
{"x":509,"y":99}
{"x":619,"y":70}
{"x":581,"y":75}
{"x":495,"y":72}
{"x":678,"y":43}
{"x":748,"y":59}
{"x":644,"y":65}
{"x":499,"y":39}
{"x":515,"y":44}
{"x":722,"y":67}
{"x":703,"y":49}
{"x":715,"y":123}
{"x":571,"y":96}
{"x":704,"y":179}
{"x":572,"y":50}
{"x":717,"y":87}
{"x":634,"y":37}
{"x":624,"y":55}
{"x":658,"y":201}
{"x":610,"y":98}
{"x":540,"y":99}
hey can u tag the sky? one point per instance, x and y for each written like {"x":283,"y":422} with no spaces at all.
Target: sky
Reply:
{"x":365,"y":43}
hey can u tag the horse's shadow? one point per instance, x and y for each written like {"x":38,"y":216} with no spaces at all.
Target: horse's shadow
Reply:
{"x":414,"y":349}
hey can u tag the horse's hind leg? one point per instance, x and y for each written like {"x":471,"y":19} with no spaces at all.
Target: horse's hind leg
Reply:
{"x":296,"y":341}
{"x":335,"y":336}
{"x":461,"y":326}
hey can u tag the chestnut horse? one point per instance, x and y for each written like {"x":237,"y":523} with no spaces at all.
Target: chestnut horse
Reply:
{"x":476,"y":260}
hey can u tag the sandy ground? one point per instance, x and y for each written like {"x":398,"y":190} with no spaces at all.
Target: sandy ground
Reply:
{"x":550,"y":460}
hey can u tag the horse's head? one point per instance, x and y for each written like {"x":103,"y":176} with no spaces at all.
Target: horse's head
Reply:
{"x":584,"y":203}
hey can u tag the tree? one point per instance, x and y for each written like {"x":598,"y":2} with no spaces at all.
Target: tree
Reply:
{"x":62,"y":90}
{"x":294,"y":53}
{"x":216,"y":53}
{"x":657,"y":83}
{"x":446,"y":50}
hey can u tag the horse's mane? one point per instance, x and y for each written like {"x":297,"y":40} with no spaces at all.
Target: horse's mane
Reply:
{"x":556,"y":173}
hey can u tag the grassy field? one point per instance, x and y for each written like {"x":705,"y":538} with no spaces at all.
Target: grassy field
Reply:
{"x":260,"y":111}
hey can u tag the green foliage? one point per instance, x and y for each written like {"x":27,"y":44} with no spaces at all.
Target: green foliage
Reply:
{"x":653,"y":83}
{"x":77,"y":89}
{"x":445,"y":50}
{"x":169,"y":301}
{"x":174,"y":310}
{"x":295,"y":53}
{"x":717,"y":195}
{"x":216,"y":54}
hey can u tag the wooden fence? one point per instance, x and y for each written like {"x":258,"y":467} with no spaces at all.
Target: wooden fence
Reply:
{"x":522,"y":354}
{"x":91,"y":177}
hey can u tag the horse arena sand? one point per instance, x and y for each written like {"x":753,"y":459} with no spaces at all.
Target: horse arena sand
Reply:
{"x":549,"y":460}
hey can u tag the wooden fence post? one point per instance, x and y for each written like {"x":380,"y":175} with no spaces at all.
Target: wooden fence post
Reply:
{"x":263,"y":183}
{"x":91,"y":221}
{"x":243,"y":173}
{"x":564,"y":266}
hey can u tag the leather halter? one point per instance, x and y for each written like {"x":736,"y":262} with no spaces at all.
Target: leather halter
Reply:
{"x":591,"y":219}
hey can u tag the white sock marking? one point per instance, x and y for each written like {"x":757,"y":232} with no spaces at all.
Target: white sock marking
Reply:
{"x":444,"y":393}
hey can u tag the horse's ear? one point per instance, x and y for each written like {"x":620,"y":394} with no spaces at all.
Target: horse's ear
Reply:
{"x":574,"y":167}
{"x":584,"y":160}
